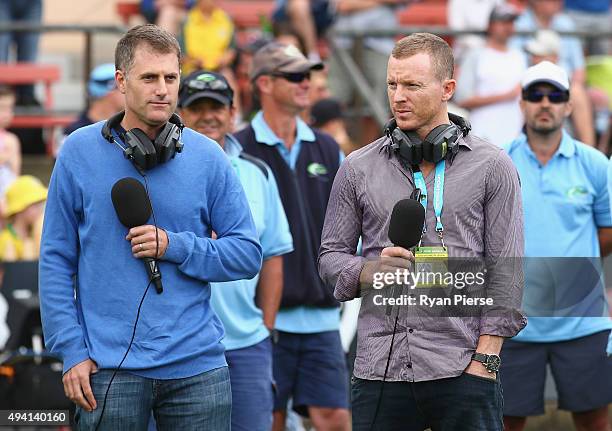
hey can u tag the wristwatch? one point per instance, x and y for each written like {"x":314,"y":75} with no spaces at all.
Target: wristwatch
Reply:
{"x":491,"y":362}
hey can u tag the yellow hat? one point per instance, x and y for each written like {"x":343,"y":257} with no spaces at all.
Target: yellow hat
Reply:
{"x":23,"y":192}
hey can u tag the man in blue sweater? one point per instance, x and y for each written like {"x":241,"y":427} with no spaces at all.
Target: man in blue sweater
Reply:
{"x":91,"y":280}
{"x":247,"y":308}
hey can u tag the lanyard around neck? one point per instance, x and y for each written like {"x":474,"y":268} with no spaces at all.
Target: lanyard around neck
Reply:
{"x":438,"y":195}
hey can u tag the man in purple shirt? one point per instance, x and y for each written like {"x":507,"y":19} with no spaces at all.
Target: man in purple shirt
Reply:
{"x":437,"y":371}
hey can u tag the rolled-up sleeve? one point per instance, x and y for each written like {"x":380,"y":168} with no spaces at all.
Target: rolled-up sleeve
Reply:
{"x":338,"y":264}
{"x":504,"y":248}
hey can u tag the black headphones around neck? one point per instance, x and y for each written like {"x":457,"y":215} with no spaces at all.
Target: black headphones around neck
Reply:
{"x":439,"y":144}
{"x":140,"y":149}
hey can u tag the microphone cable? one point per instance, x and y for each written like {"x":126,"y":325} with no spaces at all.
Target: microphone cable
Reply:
{"x":124,"y":356}
{"x":144,"y":295}
{"x":154,"y":219}
{"x":382,"y":385}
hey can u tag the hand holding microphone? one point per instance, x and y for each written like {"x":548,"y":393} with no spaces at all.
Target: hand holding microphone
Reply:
{"x":405,"y":230}
{"x":145,"y":241}
{"x":133,"y":209}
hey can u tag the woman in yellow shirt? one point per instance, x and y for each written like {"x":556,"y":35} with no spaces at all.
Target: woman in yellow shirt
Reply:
{"x":25,"y":202}
{"x":208,"y":41}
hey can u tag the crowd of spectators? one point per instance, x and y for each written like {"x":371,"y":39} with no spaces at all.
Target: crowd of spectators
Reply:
{"x":309,"y":25}
{"x":486,"y":88}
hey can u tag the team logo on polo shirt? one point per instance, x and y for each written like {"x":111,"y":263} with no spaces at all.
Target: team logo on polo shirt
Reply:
{"x":577,"y":193}
{"x":316,"y":170}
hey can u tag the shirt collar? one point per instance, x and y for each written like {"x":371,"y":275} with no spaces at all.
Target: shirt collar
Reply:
{"x":265,"y":135}
{"x":232,"y":147}
{"x":567,"y":148}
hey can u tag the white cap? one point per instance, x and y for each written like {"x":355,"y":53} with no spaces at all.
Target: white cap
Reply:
{"x":546,"y":42}
{"x":548,"y":73}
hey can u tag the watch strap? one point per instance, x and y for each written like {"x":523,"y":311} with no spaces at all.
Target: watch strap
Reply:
{"x":484,"y":359}
{"x":480,"y":357}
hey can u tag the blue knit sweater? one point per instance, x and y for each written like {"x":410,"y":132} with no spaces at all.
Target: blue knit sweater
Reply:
{"x":178,"y":334}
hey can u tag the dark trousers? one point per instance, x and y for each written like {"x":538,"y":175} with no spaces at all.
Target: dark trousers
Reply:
{"x":464,"y":403}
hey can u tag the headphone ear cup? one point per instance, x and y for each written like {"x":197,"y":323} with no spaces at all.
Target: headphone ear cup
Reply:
{"x":110,"y":124}
{"x":411,"y":150}
{"x":165,"y":145}
{"x":144,"y":154}
{"x":439,"y":142}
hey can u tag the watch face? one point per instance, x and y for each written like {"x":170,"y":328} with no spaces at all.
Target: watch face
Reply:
{"x":493,"y":363}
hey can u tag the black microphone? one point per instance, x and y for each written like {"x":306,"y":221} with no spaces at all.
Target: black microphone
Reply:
{"x":133,"y":208}
{"x":406,"y":227}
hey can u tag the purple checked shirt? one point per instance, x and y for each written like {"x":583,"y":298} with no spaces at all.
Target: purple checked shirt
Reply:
{"x":482,"y":217}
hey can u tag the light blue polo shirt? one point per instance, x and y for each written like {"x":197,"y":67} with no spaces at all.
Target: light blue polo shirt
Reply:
{"x":565,"y":201}
{"x":299,"y":320}
{"x":234,"y":301}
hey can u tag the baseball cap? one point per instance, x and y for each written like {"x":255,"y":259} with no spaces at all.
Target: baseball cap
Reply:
{"x":504,"y":12}
{"x":325,"y":110}
{"x":548,"y":73}
{"x":279,"y":58}
{"x":546,"y":42}
{"x":203,"y":84}
{"x":256,"y":44}
{"x":101,"y":80}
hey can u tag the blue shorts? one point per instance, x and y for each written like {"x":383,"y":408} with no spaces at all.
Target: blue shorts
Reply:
{"x":581,"y":369}
{"x":311,"y":369}
{"x":252,"y":386}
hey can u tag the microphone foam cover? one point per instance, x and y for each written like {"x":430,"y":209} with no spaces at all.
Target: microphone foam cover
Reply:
{"x":406,"y":224}
{"x":131,"y":202}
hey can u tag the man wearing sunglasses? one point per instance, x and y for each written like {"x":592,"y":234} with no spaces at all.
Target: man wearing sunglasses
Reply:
{"x":247,"y":308}
{"x":309,"y":364}
{"x":568,"y":228}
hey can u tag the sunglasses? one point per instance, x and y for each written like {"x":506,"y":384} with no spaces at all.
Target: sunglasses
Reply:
{"x":201,"y":85}
{"x":207,"y":82}
{"x":296,"y":78}
{"x":536,"y":96}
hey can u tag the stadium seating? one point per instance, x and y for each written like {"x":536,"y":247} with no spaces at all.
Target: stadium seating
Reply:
{"x":29,"y":73}
{"x":245,"y":13}
{"x":427,"y":12}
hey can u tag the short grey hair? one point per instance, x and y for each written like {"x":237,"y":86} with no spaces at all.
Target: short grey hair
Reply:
{"x":158,"y":39}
